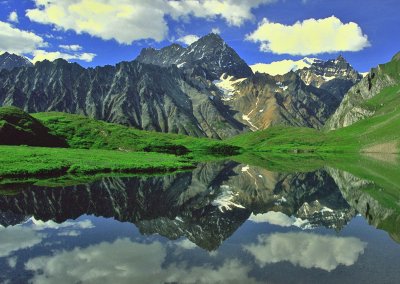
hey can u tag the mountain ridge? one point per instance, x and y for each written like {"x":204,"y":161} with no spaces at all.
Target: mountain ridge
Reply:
{"x":10,"y":61}
{"x":203,"y":90}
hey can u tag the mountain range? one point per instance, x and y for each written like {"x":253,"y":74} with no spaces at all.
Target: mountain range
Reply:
{"x":202,"y":90}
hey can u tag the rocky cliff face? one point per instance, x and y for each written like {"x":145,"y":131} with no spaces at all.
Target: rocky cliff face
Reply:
{"x":334,"y":76}
{"x":352,"y":108}
{"x":144,"y":96}
{"x":209,"y":57}
{"x":10,"y":61}
{"x":263,"y":101}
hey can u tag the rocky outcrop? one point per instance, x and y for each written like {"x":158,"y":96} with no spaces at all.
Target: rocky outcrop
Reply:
{"x":10,"y":61}
{"x":353,"y":108}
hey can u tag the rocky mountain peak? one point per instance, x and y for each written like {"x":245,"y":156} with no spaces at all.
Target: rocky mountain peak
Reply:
{"x":335,"y":76}
{"x":210,"y":57}
{"x":340,"y":58}
{"x":210,"y":40}
{"x":10,"y":61}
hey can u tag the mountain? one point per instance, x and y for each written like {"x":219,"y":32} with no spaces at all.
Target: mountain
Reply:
{"x":334,"y":76}
{"x":144,"y":96}
{"x":375,"y":94}
{"x":19,"y":128}
{"x":306,"y":97}
{"x":203,"y":90}
{"x":262,"y":101}
{"x":10,"y":61}
{"x":209,"y":57}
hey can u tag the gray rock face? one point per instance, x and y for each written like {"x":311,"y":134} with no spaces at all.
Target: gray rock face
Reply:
{"x":10,"y":61}
{"x":334,"y":76}
{"x":263,"y":101}
{"x":209,"y":57}
{"x":352,"y":108}
{"x":144,"y":96}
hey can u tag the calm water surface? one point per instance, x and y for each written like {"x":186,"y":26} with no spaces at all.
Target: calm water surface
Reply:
{"x":222,"y":223}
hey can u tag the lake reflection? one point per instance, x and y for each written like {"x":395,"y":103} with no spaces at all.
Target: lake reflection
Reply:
{"x":222,"y":223}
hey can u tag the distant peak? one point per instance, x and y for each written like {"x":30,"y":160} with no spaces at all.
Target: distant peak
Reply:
{"x":212,"y":37}
{"x":341,"y":58}
{"x":176,"y":45}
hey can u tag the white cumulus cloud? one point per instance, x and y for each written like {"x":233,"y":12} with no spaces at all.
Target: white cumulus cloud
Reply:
{"x":282,"y":67}
{"x":124,"y":20}
{"x":130,"y":20}
{"x":71,"y":47}
{"x":18,"y":41}
{"x":188,"y":39}
{"x":234,"y":12}
{"x":312,"y":36}
{"x":307,"y":250}
{"x":13,"y":17}
{"x":216,"y":31}
{"x":40,"y":55}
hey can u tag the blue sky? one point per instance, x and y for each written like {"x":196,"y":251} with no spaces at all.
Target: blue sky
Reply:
{"x":100,"y":32}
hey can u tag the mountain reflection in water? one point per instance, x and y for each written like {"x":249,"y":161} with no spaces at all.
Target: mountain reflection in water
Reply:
{"x":222,"y":222}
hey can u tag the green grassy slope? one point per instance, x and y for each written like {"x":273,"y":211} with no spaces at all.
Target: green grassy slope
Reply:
{"x":18,"y":127}
{"x":90,"y":146}
{"x":84,"y":133}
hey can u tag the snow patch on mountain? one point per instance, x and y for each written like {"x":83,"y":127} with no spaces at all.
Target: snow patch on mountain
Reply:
{"x":224,"y":201}
{"x":227,"y":84}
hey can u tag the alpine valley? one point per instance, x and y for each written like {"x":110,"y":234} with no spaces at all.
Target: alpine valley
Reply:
{"x":166,"y":99}
{"x":187,"y":165}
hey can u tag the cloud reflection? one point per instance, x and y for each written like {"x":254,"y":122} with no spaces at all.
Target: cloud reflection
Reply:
{"x":15,"y":238}
{"x":306,"y":250}
{"x":124,"y":261}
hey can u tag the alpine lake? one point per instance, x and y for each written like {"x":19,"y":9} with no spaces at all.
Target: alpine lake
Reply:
{"x":223,"y":222}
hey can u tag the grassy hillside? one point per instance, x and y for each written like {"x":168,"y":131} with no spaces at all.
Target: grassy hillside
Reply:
{"x":76,"y":145}
{"x":83,"y":133}
{"x":18,"y":127}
